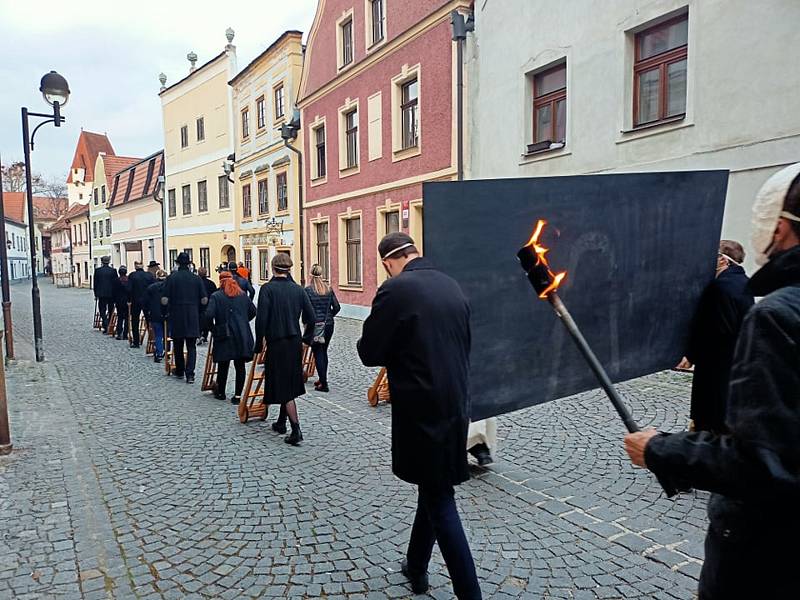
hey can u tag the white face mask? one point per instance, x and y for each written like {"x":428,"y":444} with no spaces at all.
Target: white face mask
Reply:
{"x":768,"y":208}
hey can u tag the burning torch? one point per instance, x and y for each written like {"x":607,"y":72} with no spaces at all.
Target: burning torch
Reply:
{"x":533,"y":259}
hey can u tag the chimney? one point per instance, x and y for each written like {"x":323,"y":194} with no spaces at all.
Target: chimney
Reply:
{"x":192,"y":58}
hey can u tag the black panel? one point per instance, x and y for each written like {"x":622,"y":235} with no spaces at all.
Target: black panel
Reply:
{"x":638,"y":248}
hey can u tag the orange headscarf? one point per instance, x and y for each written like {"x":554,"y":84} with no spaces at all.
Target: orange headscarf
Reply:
{"x":230,"y":287}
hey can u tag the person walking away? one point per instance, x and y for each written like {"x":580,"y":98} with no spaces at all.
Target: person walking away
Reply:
{"x":243,"y":271}
{"x":281,"y":305}
{"x":243,"y":283}
{"x":210,"y":287}
{"x":752,"y":470}
{"x":139,"y":281}
{"x":121,"y":298}
{"x":715,"y":328}
{"x":153,"y":268}
{"x":104,"y":284}
{"x":228,"y":316}
{"x":326,"y":307}
{"x":155,"y":313}
{"x":419,"y":330}
{"x":184,"y":296}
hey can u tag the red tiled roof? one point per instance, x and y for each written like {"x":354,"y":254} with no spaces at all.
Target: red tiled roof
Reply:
{"x":137,"y":181}
{"x":89,"y":146}
{"x":14,"y":206}
{"x":75,"y":212}
{"x":49,"y":209}
{"x":114,"y":164}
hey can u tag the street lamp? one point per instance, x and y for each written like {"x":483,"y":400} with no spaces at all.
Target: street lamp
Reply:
{"x":289,"y":133}
{"x":55,"y":91}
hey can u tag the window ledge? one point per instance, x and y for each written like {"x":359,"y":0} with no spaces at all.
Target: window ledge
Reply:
{"x":546,"y":154}
{"x":628,"y":135}
{"x":398,"y":155}
{"x":376,"y":45}
{"x":351,"y":288}
{"x":343,"y":68}
{"x":282,"y":213}
{"x":279,"y":120}
{"x":319,"y":181}
{"x":348,"y":171}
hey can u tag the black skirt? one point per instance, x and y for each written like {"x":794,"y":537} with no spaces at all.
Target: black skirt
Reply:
{"x":284,"y":371}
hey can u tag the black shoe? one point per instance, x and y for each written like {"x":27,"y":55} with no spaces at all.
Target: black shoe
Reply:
{"x":156,"y":359}
{"x":220,"y":396}
{"x":279,"y":427}
{"x":119,"y":337}
{"x":235,"y":400}
{"x":135,"y":346}
{"x":190,"y":379}
{"x":324,"y":388}
{"x":295,"y":437}
{"x":178,"y":375}
{"x":419,"y":583}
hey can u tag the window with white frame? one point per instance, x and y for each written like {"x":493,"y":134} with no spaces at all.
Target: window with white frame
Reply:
{"x":321,"y":232}
{"x":186,"y":196}
{"x":201,"y":129}
{"x":224,"y":192}
{"x":282,"y":191}
{"x":202,"y":196}
{"x":280,"y":109}
{"x":353,"y":243}
{"x":351,"y":138}
{"x":171,"y":208}
{"x":205,"y":258}
{"x":319,"y":164}
{"x":247,"y":207}
{"x":550,"y":106}
{"x":346,"y":43}
{"x":261,"y":113}
{"x":263,"y":200}
{"x":263,"y":264}
{"x":245,"y":123}
{"x":184,"y":136}
{"x":409,"y":109}
{"x":376,"y":21}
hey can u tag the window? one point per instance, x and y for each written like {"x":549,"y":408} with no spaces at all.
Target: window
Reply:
{"x":108,"y":226}
{"x":205,"y":258}
{"x":263,"y":265}
{"x":186,"y":196}
{"x":202,"y":196}
{"x":247,"y":210}
{"x":391,"y":222}
{"x":184,"y":136}
{"x":279,"y":108}
{"x":353,"y":233}
{"x":376,"y":20}
{"x":224,"y":192}
{"x":319,"y":138}
{"x":190,"y":253}
{"x":248,"y":259}
{"x":261,"y":118}
{"x":103,"y":194}
{"x":96,"y":196}
{"x":201,"y":129}
{"x":283,"y":192}
{"x":263,"y":204}
{"x":410,"y":112}
{"x":550,"y":106}
{"x":323,"y":249}
{"x":659,"y":72}
{"x":351,"y":137}
{"x":171,"y":203}
{"x":173,"y":258}
{"x":347,"y":42}
{"x":94,"y":229}
{"x":245,"y":123}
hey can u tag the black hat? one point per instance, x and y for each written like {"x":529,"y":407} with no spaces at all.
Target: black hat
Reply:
{"x":183,"y":259}
{"x":393,"y":243}
{"x":232,"y":266}
{"x":123,"y":269}
{"x":153,"y":264}
{"x":105,"y":260}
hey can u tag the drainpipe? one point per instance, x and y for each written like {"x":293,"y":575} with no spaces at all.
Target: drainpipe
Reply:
{"x":460,"y":29}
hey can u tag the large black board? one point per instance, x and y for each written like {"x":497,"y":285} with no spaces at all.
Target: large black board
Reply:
{"x":639,"y":249}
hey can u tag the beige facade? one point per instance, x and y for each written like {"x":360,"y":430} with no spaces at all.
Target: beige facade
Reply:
{"x":198,"y":125}
{"x":266,"y":205}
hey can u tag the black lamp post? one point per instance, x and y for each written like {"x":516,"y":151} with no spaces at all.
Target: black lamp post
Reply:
{"x":4,"y":277}
{"x":55,"y":91}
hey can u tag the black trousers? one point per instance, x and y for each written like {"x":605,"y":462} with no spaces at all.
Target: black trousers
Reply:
{"x":105,"y":305}
{"x":122,"y":320}
{"x":321,"y":358}
{"x":185,"y":367}
{"x":437,"y":520}
{"x":136,"y":310}
{"x":223,"y":367}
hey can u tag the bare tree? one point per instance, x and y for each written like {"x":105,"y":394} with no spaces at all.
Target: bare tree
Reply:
{"x":14,"y":178}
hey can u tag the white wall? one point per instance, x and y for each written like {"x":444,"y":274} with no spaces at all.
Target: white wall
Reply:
{"x":743,"y":112}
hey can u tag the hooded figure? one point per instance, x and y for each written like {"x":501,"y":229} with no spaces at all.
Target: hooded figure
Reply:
{"x":754,"y":470}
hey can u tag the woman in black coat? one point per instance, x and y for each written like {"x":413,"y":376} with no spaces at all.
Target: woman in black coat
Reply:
{"x":122,"y":292}
{"x":326,"y":307}
{"x":281,"y":304}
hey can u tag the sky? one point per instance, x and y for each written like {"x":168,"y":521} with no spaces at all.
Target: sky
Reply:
{"x":111,"y":53}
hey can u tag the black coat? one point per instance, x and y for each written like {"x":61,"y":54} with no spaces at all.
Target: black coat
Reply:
{"x":139,"y":281}
{"x":104,"y":282}
{"x":753,"y":472}
{"x":185,"y":295}
{"x":154,"y":310}
{"x":209,"y":286}
{"x":716,"y":326}
{"x":245,"y":285}
{"x":419,"y":330}
{"x":122,"y":291}
{"x":237,"y":312}
{"x":281,"y":305}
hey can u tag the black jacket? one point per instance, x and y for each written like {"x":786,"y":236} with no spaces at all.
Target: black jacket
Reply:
{"x":185,"y":295}
{"x":753,"y":472}
{"x":209,"y":286}
{"x":716,"y":326}
{"x":419,"y":330}
{"x":151,"y":302}
{"x":122,"y":291}
{"x":139,"y":281}
{"x":236,"y":313}
{"x":244,"y":284}
{"x":326,"y":306}
{"x":281,"y":305}
{"x":104,"y":282}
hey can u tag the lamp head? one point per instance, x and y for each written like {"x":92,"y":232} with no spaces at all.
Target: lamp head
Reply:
{"x":54,"y":88}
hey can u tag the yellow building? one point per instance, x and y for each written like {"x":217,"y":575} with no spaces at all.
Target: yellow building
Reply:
{"x":198,"y":126}
{"x":266,"y":172}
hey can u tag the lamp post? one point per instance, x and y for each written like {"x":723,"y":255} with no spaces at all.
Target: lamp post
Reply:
{"x":55,"y":91}
{"x":4,"y":277}
{"x":290,"y":132}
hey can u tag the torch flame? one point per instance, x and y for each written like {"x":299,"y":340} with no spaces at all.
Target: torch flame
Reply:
{"x":541,"y":259}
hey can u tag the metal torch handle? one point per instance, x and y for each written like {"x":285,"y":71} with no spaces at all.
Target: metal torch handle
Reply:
{"x":594,"y":364}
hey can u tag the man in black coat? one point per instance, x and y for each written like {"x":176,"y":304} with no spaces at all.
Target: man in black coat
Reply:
{"x":184,"y":296}
{"x":419,"y":330}
{"x":716,"y":326}
{"x":105,"y":279}
{"x":121,"y":298}
{"x":243,"y":283}
{"x":210,"y":288}
{"x":754,"y":470}
{"x":138,"y":282}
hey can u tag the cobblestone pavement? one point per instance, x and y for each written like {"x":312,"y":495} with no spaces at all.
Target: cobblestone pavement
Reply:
{"x":127,"y":484}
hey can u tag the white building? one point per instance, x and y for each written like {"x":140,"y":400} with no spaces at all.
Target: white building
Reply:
{"x":562,"y":88}
{"x":19,"y":257}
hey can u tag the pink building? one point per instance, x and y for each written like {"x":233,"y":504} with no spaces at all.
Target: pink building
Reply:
{"x":378,"y":102}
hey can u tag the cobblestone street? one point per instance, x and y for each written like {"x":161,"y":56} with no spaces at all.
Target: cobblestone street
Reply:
{"x":125,"y":484}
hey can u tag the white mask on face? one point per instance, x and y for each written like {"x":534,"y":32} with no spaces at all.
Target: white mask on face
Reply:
{"x":768,"y":208}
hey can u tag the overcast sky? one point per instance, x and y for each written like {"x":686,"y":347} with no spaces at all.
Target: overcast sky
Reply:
{"x":111,"y":54}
